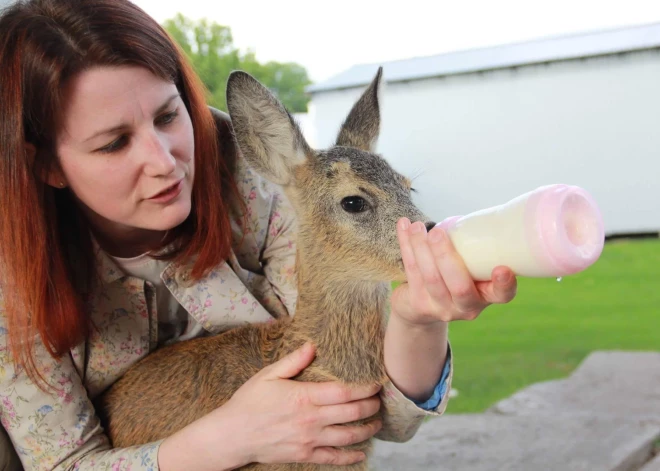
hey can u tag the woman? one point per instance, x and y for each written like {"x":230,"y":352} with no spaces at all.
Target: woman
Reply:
{"x":128,"y":221}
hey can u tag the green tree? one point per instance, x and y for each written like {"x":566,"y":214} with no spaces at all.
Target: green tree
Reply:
{"x":210,"y":48}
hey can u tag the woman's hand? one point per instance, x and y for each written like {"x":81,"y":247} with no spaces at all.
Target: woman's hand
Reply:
{"x":438,"y":290}
{"x":439,"y":287}
{"x":273,"y":419}
{"x":292,"y":421}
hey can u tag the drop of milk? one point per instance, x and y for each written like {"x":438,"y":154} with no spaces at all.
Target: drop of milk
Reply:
{"x":559,"y":278}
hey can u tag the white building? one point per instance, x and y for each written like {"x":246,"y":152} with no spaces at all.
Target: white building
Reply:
{"x":479,"y":127}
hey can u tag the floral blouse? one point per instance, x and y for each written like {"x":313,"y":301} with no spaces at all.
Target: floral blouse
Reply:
{"x":60,"y":431}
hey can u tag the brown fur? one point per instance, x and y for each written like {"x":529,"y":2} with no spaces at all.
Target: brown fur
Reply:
{"x":345,"y":260}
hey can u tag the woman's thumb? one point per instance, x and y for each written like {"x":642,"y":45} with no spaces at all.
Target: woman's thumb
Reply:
{"x":293,"y":363}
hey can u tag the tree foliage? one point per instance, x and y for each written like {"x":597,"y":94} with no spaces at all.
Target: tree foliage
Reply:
{"x":210,"y":48}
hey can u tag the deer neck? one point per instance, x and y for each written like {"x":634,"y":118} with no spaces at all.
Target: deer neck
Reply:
{"x":345,"y":320}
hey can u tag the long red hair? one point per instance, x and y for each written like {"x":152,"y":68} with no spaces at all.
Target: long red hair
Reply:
{"x":46,"y":256}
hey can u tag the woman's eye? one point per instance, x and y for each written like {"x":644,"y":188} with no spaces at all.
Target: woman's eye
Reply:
{"x":115,"y":145}
{"x":168,"y":118}
{"x":121,"y":141}
{"x":354,"y":204}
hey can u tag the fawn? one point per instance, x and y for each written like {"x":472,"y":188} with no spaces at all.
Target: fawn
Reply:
{"x":347,"y":201}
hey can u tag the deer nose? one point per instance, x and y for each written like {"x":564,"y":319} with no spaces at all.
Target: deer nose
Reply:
{"x":429,"y":225}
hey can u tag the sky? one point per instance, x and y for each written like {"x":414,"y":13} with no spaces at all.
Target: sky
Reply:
{"x":328,"y":37}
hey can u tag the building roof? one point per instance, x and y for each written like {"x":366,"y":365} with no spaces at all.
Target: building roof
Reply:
{"x":596,"y":43}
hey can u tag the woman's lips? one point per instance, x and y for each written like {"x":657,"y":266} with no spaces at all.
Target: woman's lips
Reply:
{"x":168,"y":193}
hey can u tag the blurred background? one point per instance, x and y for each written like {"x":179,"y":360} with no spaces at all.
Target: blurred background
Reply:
{"x":483,"y":101}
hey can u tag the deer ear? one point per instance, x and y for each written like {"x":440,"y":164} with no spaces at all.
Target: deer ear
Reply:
{"x":362,"y":125}
{"x":266,"y":133}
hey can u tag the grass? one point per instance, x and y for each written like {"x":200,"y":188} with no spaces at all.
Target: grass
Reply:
{"x":550,"y":327}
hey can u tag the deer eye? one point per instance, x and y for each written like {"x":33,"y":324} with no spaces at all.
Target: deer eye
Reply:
{"x":354,"y":204}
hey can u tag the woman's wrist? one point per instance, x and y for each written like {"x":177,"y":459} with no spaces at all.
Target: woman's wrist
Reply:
{"x":426,"y":325}
{"x":415,"y":355}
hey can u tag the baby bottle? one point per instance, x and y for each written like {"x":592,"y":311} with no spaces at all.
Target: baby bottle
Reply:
{"x":553,"y":231}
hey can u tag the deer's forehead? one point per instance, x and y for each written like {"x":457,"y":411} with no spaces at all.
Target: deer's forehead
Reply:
{"x":362,"y":166}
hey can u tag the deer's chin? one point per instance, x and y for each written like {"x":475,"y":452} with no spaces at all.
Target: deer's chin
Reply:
{"x":384,"y":273}
{"x":397,"y":273}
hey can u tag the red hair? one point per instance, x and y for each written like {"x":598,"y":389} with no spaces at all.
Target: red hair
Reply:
{"x":46,"y":256}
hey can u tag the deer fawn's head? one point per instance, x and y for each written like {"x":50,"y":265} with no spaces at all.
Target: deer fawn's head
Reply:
{"x":348,"y":199}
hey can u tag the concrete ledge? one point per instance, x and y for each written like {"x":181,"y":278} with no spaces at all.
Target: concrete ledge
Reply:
{"x":605,"y":416}
{"x":488,"y":442}
{"x":625,"y":384}
{"x":653,"y":465}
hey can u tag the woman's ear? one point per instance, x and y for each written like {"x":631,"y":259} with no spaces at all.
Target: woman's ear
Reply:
{"x":56,"y":179}
{"x":52,"y":176}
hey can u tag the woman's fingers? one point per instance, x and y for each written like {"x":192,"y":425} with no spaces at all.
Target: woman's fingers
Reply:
{"x":350,"y":412}
{"x":334,"y":392}
{"x":291,"y":364}
{"x":431,"y":279}
{"x":440,"y":284}
{"x":345,"y":435}
{"x":414,"y":276}
{"x":460,"y":284}
{"x":502,"y":287}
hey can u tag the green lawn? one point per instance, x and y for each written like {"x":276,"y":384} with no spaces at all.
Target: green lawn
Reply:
{"x":551,"y":326}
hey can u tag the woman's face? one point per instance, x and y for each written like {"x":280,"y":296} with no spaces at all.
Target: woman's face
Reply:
{"x":126,"y":151}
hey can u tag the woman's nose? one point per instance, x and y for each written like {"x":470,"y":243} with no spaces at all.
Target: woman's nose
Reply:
{"x":159,"y":159}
